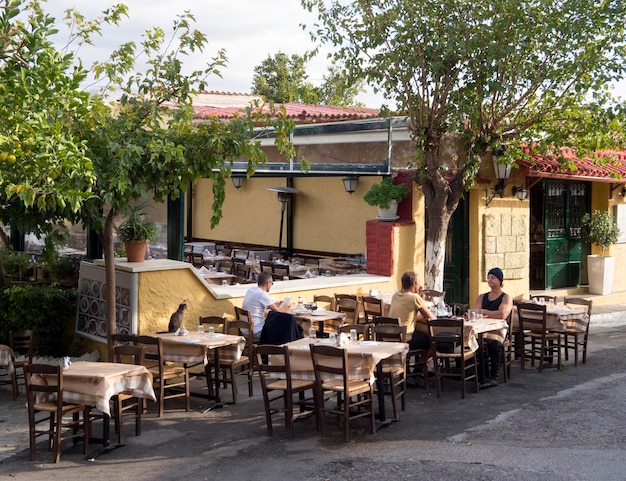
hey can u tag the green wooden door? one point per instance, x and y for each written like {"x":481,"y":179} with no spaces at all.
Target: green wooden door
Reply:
{"x":565,"y":204}
{"x":456,"y":267}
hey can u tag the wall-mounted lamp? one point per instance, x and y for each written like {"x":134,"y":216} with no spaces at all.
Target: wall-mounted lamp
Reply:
{"x":237,"y":181}
{"x":520,"y":193}
{"x":503,"y":171}
{"x":350,"y":183}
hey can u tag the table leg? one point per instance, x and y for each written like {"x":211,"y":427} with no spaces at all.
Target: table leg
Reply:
{"x":207,"y":369}
{"x":481,"y":361}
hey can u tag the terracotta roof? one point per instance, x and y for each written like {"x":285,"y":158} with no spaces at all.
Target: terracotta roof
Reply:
{"x":614,"y":170}
{"x":223,"y":105}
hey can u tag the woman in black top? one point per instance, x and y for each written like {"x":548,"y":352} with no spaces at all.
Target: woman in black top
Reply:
{"x":495,"y":304}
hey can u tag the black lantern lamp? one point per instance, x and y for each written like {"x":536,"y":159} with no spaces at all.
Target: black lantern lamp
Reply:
{"x":503,"y":172}
{"x":350,"y":183}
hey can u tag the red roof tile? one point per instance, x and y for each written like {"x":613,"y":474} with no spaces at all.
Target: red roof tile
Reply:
{"x":614,"y":170}
{"x":225,"y":105}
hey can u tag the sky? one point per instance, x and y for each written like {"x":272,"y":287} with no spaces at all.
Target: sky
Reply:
{"x":249,"y":31}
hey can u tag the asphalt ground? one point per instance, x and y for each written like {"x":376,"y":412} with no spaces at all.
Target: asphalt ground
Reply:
{"x":557,"y":425}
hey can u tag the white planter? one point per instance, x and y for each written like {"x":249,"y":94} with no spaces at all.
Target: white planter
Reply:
{"x":600,"y":272}
{"x":388,"y":214}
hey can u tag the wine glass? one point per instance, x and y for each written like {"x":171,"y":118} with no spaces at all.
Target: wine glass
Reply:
{"x":313,"y":306}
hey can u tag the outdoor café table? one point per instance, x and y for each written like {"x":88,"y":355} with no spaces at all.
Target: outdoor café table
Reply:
{"x":561,"y":317}
{"x":473,"y":334}
{"x":331,"y":319}
{"x":194,"y":348}
{"x":6,"y":359}
{"x":216,"y":277}
{"x":364,"y":361}
{"x":95,"y":383}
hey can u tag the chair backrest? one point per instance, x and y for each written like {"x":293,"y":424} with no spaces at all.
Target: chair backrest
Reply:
{"x":372,"y":306}
{"x":224,"y":265}
{"x":329,"y":360}
{"x":220,"y":324}
{"x":239,"y":253}
{"x":242,"y":314}
{"x":348,"y":306}
{"x":389,"y":333}
{"x":330,"y":302}
{"x":459,"y":310}
{"x":580,"y":301}
{"x":280,"y":361}
{"x":123,"y":353}
{"x":153,"y":354}
{"x":241,"y":270}
{"x":545,"y":297}
{"x":448,"y":331}
{"x":385,"y":320}
{"x":197,"y":259}
{"x":431,"y":294}
{"x":123,"y":339}
{"x":22,"y":342}
{"x":362,"y":330}
{"x":266,"y":266}
{"x":280,"y":270}
{"x":531,"y":316}
{"x":53,"y":387}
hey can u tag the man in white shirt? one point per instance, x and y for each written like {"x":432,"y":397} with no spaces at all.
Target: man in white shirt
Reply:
{"x":257,"y":301}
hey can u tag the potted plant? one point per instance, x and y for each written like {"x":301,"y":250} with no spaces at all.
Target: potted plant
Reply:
{"x":386,"y":197}
{"x":135,"y":231}
{"x":600,"y":229}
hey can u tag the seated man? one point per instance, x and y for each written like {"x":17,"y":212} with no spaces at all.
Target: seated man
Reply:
{"x":409,"y":306}
{"x":257,"y":301}
{"x":495,"y":304}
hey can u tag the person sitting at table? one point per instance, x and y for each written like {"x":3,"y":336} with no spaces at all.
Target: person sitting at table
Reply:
{"x":411,"y":309}
{"x":496,"y":304}
{"x":257,"y":301}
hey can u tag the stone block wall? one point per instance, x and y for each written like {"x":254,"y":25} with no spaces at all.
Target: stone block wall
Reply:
{"x":505,"y":241}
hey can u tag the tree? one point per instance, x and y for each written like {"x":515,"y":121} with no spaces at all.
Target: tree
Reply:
{"x":496,"y":74}
{"x":283,"y":79}
{"x":143,"y":142}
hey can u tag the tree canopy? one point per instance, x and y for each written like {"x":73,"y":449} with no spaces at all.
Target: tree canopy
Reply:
{"x":283,"y":79}
{"x":499,"y":74}
{"x":83,"y":157}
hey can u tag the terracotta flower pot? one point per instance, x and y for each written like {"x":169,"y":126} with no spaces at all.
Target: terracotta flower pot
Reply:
{"x":136,"y":250}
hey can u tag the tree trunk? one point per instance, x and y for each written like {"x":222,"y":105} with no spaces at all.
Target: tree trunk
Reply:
{"x":109,"y":272}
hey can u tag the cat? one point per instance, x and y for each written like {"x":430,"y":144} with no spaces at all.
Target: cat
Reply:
{"x":176,"y":319}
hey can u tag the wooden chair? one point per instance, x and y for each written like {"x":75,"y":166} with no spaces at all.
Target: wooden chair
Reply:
{"x":58,"y":427}
{"x":239,"y":254}
{"x":245,"y":364}
{"x":10,"y":378}
{"x":354,"y":397}
{"x":543,"y":297}
{"x":452,"y":358}
{"x":362,"y":330}
{"x":280,"y":271}
{"x":219,"y":324}
{"x":394,"y":378}
{"x":241,"y":270}
{"x":376,"y":320}
{"x":372,"y":306}
{"x":576,"y":339}
{"x":286,"y":387}
{"x":163,"y":372}
{"x":126,"y":402}
{"x":349,"y":306}
{"x":266,"y":266}
{"x":327,"y":301}
{"x":22,"y":342}
{"x":120,"y":339}
{"x":532,"y":320}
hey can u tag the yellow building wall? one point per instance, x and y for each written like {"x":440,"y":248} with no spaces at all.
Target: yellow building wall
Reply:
{"x":325,"y":217}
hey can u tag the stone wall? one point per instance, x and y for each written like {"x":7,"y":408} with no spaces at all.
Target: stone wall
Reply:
{"x":505,"y":240}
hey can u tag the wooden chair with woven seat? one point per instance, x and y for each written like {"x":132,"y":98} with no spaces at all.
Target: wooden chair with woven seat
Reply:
{"x":241,"y":270}
{"x":245,"y":365}
{"x":377,"y":320}
{"x":576,"y":339}
{"x":121,"y":339}
{"x":354,"y":397}
{"x":162,"y":372}
{"x":532,"y":320}
{"x":372,"y":306}
{"x":126,"y":402}
{"x":285,"y":387}
{"x":362,"y":330}
{"x":22,"y":342}
{"x":266,"y":266}
{"x":349,"y":305}
{"x":9,"y":377}
{"x":452,"y":358}
{"x":47,"y":397}
{"x":327,"y":302}
{"x":394,"y":378}
{"x":280,"y":271}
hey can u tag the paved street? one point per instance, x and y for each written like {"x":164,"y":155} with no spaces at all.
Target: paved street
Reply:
{"x":567,"y":425}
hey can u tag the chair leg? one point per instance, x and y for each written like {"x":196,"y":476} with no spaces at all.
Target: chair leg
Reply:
{"x":575,"y":350}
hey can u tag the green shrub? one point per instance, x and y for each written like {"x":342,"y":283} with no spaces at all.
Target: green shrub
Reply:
{"x":600,"y":228}
{"x":49,"y":311}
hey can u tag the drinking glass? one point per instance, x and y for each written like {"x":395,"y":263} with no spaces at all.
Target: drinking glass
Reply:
{"x":211,"y":332}
{"x":333,"y":338}
{"x":200,"y":329}
{"x":471,"y":315}
{"x":479,"y":314}
{"x":353,"y":335}
{"x":312,"y":333}
{"x":551,"y":303}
